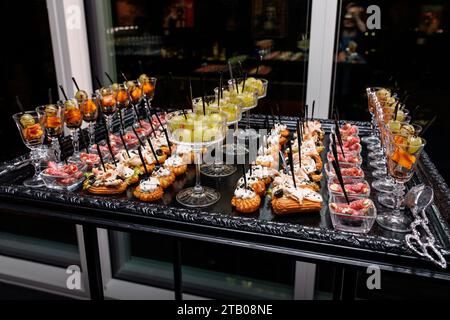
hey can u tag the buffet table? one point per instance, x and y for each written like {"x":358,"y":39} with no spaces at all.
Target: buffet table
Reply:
{"x":305,"y":237}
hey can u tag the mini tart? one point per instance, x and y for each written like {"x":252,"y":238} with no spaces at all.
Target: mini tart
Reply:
{"x":166,"y":182}
{"x":178,"y":171}
{"x":246,"y":205}
{"x":133,"y":180}
{"x":149,"y":196}
{"x":259,"y":187}
{"x":285,"y":205}
{"x":103,"y":190}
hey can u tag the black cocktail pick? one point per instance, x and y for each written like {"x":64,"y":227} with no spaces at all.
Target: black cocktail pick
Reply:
{"x":109,"y":77}
{"x":101,"y":157}
{"x":124,"y":143}
{"x":63,"y":92}
{"x":153,"y":152}
{"x":137,"y":136}
{"x":339,"y":137}
{"x":291,"y":162}
{"x":50,"y":96}
{"x":244,"y":169}
{"x":313,"y":110}
{"x":300,"y":138}
{"x":75,"y":83}
{"x":143,"y":161}
{"x":108,"y":142}
{"x":99,"y":83}
{"x":337,"y":170}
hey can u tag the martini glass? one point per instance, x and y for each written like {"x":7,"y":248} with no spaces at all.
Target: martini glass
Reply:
{"x":249,"y":101}
{"x":32,"y":132}
{"x":234,"y":115}
{"x":197,"y":131}
{"x":236,"y":149}
{"x":52,"y":116}
{"x":403,"y":154}
{"x":74,"y":119}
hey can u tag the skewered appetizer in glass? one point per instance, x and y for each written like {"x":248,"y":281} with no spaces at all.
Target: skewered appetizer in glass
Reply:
{"x":122,"y":100}
{"x":89,"y":109}
{"x":52,"y":116}
{"x":74,"y":119}
{"x":32,"y":132}
{"x":60,"y":176}
{"x":108,"y":103}
{"x":198,"y":131}
{"x":353,"y":187}
{"x":149,"y":190}
{"x":246,"y":200}
{"x":357,"y":217}
{"x":149,"y":88}
{"x":136,"y":94}
{"x":234,"y":114}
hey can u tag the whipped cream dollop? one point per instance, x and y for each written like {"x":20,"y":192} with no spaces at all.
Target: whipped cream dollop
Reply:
{"x":149,"y":185}
{"x":250,"y":180}
{"x":163,"y":172}
{"x":261,"y":172}
{"x":174,"y":161}
{"x":242,"y":193}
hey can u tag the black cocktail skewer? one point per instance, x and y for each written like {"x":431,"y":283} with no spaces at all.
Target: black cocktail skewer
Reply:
{"x":109,"y":77}
{"x":99,"y":83}
{"x":300,"y":138}
{"x":137,"y":136}
{"x":153,"y":152}
{"x":124,"y":143}
{"x":339,"y":137}
{"x":63,"y":92}
{"x":143,"y":162}
{"x":291,"y":162}
{"x":313,"y":110}
{"x":76,"y":84}
{"x":108,"y":143}
{"x":337,"y":170}
{"x":244,"y":169}
{"x":101,"y":157}
{"x":50,"y":96}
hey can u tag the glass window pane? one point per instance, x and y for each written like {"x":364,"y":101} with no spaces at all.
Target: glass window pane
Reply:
{"x":209,"y":270}
{"x":27,"y":67}
{"x":38,"y":240}
{"x":28,"y":72}
{"x":408,"y":53}
{"x":194,"y":38}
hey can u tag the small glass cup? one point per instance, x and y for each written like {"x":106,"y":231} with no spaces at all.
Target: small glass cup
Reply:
{"x":89,"y":108}
{"x":403,"y":153}
{"x":74,"y":119}
{"x":32,"y":132}
{"x":358,"y":217}
{"x":136,"y":95}
{"x":108,"y":103}
{"x":52,"y":116}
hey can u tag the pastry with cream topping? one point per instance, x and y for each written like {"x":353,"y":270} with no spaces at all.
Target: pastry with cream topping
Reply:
{"x":176,"y":164}
{"x":149,"y":190}
{"x":165,"y":177}
{"x":246,"y":200}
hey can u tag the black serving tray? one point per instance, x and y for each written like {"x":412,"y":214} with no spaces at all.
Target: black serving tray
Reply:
{"x":316,"y":227}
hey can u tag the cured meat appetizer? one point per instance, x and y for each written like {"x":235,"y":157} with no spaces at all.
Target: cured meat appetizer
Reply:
{"x":61,"y":176}
{"x":353,"y":172}
{"x":348,"y":130}
{"x":356,"y":208}
{"x":352,"y":187}
{"x":350,"y":158}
